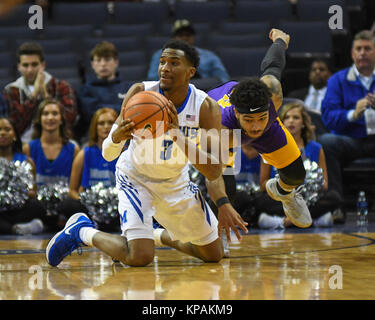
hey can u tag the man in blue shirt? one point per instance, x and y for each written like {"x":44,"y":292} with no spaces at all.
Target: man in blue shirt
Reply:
{"x":103,"y":88}
{"x":210,"y":64}
{"x":348,"y":111}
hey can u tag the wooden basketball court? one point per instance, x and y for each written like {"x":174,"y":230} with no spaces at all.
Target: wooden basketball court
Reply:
{"x":319,"y":264}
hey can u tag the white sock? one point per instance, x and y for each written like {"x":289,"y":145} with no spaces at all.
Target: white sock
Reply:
{"x":157,"y":237}
{"x":87,"y":234}
{"x":35,"y":226}
{"x":265,"y":221}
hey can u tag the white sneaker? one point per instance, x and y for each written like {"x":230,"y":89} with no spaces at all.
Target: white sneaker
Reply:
{"x":265,"y":221}
{"x":324,"y":221}
{"x":294,"y":205}
{"x":35,"y":226}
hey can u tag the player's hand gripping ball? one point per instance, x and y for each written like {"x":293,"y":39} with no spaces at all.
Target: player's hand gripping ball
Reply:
{"x":149,"y":112}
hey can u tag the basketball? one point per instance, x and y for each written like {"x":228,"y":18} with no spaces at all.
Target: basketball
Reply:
{"x":148,"y":111}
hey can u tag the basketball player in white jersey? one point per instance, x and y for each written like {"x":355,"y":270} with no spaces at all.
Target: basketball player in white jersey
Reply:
{"x":160,"y":188}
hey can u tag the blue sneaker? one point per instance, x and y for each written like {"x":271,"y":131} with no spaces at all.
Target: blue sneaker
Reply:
{"x":67,"y":240}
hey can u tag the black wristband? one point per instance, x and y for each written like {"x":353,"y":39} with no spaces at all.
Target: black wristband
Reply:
{"x":221,"y":201}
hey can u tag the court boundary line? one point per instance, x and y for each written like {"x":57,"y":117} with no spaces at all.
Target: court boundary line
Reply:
{"x":372,"y":242}
{"x":352,"y":234}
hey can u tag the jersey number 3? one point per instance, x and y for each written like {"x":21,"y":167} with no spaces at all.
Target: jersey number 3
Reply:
{"x":167,"y":150}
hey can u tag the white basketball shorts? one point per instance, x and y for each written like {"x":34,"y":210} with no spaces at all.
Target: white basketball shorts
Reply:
{"x":177,"y":204}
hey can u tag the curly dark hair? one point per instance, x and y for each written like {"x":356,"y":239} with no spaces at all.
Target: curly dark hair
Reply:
{"x":250,"y":92}
{"x":190,"y":52}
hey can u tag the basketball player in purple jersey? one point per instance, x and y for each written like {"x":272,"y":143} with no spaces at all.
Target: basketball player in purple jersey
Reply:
{"x":251,"y":105}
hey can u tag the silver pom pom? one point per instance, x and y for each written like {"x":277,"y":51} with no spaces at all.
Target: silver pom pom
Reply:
{"x":314,"y":181}
{"x":250,"y":187}
{"x":200,"y":180}
{"x":196,"y":176}
{"x":16,"y":179}
{"x":51,"y":195}
{"x":101,"y":202}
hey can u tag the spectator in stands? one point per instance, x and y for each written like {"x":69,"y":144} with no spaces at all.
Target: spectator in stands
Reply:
{"x":104,"y":88}
{"x":298,"y":122}
{"x":52,"y":152}
{"x":51,"y":148}
{"x":28,"y":218}
{"x":3,"y":107}
{"x":249,"y":160}
{"x":247,"y":183}
{"x":210,"y":64}
{"x":35,"y":84}
{"x":348,"y":111}
{"x":313,"y":95}
{"x":89,"y":167}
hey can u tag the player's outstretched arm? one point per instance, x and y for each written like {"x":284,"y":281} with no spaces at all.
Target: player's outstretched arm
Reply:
{"x":275,"y":87}
{"x":228,"y":217}
{"x":273,"y":64}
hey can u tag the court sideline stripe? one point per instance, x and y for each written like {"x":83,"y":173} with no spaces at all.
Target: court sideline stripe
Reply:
{"x":372,"y":241}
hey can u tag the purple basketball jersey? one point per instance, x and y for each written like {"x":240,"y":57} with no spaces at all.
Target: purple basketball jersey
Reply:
{"x":273,"y":137}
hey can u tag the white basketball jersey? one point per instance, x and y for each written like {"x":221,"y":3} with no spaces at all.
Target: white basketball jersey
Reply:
{"x":161,"y":158}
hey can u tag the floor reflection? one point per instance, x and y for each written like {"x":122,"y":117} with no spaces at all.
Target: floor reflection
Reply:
{"x":263,"y":267}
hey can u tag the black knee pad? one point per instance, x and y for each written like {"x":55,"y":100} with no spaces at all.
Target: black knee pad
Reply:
{"x":293,"y":174}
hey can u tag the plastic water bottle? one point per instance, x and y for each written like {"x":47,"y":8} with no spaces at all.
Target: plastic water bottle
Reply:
{"x":362,"y":211}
